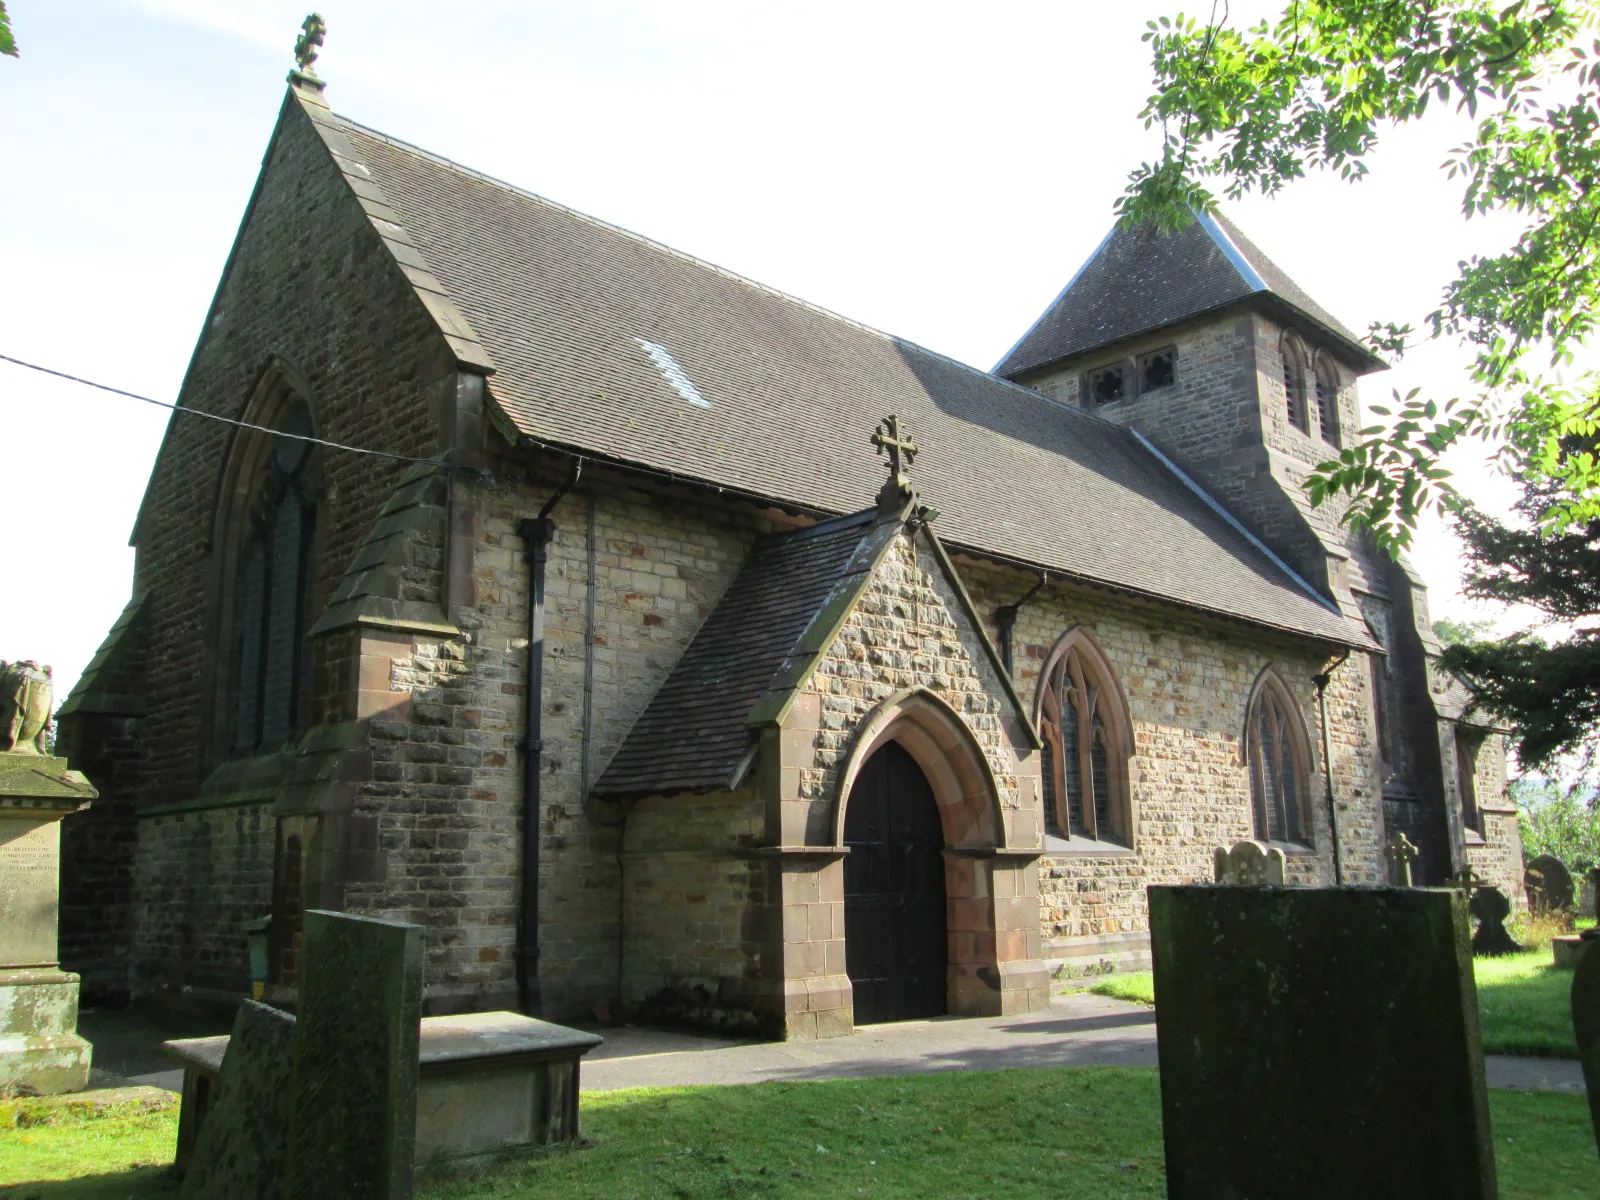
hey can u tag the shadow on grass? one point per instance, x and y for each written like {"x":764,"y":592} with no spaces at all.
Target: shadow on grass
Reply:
{"x":134,"y":1184}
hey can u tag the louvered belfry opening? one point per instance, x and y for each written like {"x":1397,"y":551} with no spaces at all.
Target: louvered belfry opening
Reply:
{"x":273,"y":595}
{"x":895,"y":934}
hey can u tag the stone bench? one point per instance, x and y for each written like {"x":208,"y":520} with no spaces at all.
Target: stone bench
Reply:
{"x":487,"y":1082}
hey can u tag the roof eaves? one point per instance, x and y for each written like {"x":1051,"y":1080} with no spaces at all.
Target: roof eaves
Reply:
{"x":774,"y":705}
{"x":1051,"y":307}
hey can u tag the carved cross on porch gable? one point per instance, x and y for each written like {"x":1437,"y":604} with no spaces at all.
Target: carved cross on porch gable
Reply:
{"x":901,"y":451}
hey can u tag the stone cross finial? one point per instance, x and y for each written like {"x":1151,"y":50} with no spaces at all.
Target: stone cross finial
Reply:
{"x":1249,"y":863}
{"x":1400,"y":854}
{"x":901,"y":451}
{"x":313,"y":32}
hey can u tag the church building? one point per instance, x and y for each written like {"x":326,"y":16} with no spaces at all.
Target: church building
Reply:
{"x":670,"y":647}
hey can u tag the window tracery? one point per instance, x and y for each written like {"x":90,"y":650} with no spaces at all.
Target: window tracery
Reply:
{"x":1085,"y":762}
{"x":1279,"y":758}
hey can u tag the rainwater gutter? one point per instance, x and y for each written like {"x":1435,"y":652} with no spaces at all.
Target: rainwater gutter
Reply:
{"x":536,"y":533}
{"x":1322,"y":682}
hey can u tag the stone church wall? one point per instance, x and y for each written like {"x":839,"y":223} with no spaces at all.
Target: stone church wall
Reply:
{"x":1187,"y":681}
{"x":308,"y":281}
{"x":660,"y":564}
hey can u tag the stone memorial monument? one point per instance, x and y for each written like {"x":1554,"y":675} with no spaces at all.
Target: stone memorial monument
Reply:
{"x":1250,"y":864}
{"x":1586,"y":899}
{"x":1490,"y":906}
{"x":1296,"y":1027}
{"x":40,"y":1050}
{"x":353,"y":1059}
{"x":1549,"y":885}
{"x":1399,"y":853}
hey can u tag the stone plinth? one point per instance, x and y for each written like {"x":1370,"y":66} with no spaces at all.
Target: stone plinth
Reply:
{"x":40,"y":1050}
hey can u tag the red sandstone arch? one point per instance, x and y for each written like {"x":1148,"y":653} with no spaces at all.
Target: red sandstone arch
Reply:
{"x":934,"y":734}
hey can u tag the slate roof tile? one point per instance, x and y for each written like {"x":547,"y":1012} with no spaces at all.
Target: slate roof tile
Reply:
{"x":1142,"y":279}
{"x":561,"y":303}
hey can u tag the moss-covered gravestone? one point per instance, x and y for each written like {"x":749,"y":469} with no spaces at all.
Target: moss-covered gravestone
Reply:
{"x":238,"y":1153}
{"x":353,"y":1059}
{"x":1318,"y":1043}
{"x":1586,"y":1023}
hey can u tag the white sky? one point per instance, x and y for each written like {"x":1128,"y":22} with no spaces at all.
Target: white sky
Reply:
{"x":938,"y":171}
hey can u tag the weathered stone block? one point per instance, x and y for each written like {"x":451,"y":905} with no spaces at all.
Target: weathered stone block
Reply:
{"x":353,"y":1085}
{"x":1319,"y":1043}
{"x":238,"y":1153}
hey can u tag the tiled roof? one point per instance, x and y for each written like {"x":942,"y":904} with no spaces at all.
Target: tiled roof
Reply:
{"x":1142,"y":279}
{"x":607,"y":343}
{"x":695,"y":733}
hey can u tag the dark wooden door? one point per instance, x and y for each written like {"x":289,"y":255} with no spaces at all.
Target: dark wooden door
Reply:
{"x":894,"y":911}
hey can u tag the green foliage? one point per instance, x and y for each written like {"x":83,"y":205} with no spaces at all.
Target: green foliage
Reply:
{"x":1455,"y":633}
{"x":1255,"y":110}
{"x":1542,"y":687}
{"x":1557,"y":820}
{"x":8,"y":42}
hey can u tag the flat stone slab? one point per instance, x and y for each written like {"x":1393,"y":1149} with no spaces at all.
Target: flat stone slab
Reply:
{"x":481,"y":1039}
{"x":1567,"y":949}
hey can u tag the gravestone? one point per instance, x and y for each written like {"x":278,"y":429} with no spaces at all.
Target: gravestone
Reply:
{"x":40,"y":1050}
{"x":1251,"y":864}
{"x":1318,"y":1043}
{"x":1399,"y":853}
{"x":1586,"y":1024}
{"x":238,"y":1152}
{"x":1586,"y":900}
{"x":353,"y":1060}
{"x":1490,"y":906}
{"x":1549,"y":885}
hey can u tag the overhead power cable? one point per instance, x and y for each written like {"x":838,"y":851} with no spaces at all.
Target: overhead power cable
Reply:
{"x":195,"y":412}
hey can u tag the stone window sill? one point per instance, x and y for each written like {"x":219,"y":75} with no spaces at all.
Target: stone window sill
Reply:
{"x":1085,"y":847}
{"x":1293,"y":849}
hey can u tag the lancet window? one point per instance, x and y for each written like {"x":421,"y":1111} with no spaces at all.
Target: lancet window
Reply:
{"x":1085,"y":728}
{"x":1294,"y":383}
{"x":272,"y":593}
{"x":1279,"y":758}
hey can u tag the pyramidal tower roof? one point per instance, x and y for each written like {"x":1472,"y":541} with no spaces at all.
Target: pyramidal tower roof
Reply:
{"x":1143,"y":279}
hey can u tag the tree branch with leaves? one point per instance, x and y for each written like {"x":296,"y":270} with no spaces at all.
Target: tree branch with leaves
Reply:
{"x":1252,"y":111}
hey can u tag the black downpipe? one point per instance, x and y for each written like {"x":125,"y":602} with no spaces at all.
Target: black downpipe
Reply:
{"x":1006,"y":618}
{"x":1322,"y":682}
{"x":536,"y":533}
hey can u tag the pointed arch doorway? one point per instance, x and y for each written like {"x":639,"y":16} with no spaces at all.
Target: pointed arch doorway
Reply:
{"x":894,"y":893}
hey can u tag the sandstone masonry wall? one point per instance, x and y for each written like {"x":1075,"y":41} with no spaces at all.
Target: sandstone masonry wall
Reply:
{"x":310,"y":282}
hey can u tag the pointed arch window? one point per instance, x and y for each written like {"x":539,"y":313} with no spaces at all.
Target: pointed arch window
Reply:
{"x":1294,"y":382}
{"x":1279,"y":757}
{"x":272,"y":593}
{"x":1086,"y":733}
{"x":1327,"y":384}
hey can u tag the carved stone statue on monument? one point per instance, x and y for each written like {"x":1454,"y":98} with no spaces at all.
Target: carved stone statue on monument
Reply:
{"x":40,"y":1050}
{"x":26,"y":697}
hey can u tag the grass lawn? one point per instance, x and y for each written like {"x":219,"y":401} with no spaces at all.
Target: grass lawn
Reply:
{"x":1059,"y":1133}
{"x":1524,"y":1003}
